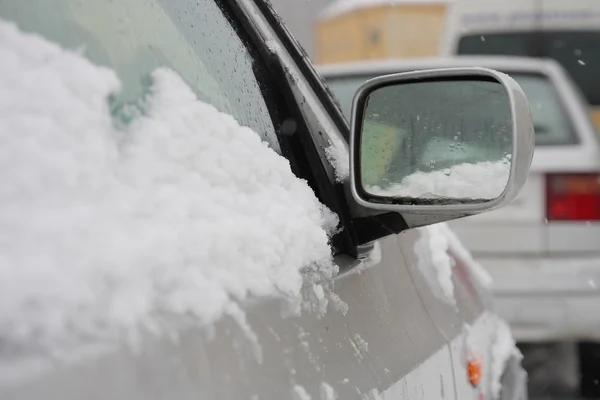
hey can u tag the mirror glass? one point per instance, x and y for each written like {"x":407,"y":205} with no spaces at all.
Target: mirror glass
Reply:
{"x":437,"y":140}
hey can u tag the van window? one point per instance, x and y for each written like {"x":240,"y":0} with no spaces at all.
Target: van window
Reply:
{"x":552,"y":123}
{"x":576,"y":51}
{"x":550,"y":119}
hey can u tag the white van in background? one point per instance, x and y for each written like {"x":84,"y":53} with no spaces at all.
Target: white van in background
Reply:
{"x":566,"y":31}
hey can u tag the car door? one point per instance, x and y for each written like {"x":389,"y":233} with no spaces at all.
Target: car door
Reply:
{"x":377,"y":338}
{"x":458,"y":302}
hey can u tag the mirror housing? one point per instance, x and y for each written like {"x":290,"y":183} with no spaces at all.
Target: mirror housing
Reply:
{"x":520,"y":130}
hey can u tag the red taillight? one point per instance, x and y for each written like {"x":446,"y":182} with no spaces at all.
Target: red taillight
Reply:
{"x":573,"y":197}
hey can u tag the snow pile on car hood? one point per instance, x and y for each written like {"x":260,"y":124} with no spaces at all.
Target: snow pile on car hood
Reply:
{"x":482,"y":180}
{"x":106,"y":231}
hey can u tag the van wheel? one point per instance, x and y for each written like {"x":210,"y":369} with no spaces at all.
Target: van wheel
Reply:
{"x":589,"y":370}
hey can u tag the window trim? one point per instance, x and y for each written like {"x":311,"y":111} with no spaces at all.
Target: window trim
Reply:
{"x":300,"y":57}
{"x":359,"y":225}
{"x":305,"y":148}
{"x":270,"y":94}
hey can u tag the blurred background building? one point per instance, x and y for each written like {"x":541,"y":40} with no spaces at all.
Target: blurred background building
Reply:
{"x":350,"y":30}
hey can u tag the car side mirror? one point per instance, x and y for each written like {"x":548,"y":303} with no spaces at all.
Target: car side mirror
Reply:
{"x":454,"y":141}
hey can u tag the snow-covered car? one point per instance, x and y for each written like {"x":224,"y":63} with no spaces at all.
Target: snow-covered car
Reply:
{"x":543,"y":249}
{"x":186,"y":214}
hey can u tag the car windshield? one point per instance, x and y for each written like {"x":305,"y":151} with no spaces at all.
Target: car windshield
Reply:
{"x":552,"y":124}
{"x":135,"y":37}
{"x":577,"y":52}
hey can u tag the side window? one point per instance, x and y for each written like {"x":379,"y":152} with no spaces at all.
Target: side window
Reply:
{"x":134,"y":37}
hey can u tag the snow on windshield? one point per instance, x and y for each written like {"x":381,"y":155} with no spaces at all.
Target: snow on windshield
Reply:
{"x":482,"y":180}
{"x":108,"y":230}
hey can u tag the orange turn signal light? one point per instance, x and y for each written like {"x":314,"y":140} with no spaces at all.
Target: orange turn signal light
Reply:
{"x":474,"y":370}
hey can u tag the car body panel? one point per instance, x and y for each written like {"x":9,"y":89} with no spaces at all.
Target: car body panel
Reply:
{"x":386,"y":333}
{"x":469,"y":311}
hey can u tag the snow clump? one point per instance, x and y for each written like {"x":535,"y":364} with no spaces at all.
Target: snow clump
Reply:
{"x":108,"y":230}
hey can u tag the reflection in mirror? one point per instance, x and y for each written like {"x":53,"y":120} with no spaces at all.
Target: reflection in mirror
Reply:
{"x":438,"y":141}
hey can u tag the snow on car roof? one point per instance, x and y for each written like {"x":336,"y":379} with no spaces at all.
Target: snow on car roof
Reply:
{"x":340,"y":7}
{"x":110,"y":231}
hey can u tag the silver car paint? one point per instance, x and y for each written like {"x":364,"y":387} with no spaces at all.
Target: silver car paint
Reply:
{"x":393,"y":324}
